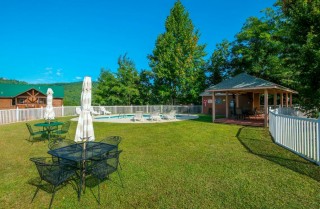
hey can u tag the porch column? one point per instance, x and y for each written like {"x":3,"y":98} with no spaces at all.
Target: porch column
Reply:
{"x":213,"y":107}
{"x":290,"y":99}
{"x":287,"y":99}
{"x":266,"y":108}
{"x":281,"y":99}
{"x":237,"y":100}
{"x":227,"y":105}
{"x":253,"y":100}
{"x":275,"y":100}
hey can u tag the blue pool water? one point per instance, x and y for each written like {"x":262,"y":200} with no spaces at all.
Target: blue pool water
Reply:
{"x":126,"y":116}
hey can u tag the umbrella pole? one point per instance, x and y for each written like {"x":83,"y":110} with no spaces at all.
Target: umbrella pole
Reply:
{"x":84,"y":168}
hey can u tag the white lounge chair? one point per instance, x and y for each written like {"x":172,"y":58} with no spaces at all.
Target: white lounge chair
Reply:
{"x":104,"y":111}
{"x":93,"y":112}
{"x":138,"y":116}
{"x":78,"y":110}
{"x":155,"y":116}
{"x":171,"y":115}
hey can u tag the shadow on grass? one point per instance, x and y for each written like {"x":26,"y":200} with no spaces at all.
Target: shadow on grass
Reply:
{"x":36,"y":140}
{"x":205,"y":118}
{"x":257,"y":142}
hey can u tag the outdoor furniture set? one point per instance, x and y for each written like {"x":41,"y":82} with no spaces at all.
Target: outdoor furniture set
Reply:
{"x":49,"y":129}
{"x":74,"y":162}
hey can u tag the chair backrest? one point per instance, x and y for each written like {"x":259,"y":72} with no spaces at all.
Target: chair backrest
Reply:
{"x":78,"y":110}
{"x":52,"y":171}
{"x":58,"y":144}
{"x":238,"y":111}
{"x":172,"y":112}
{"x":155,"y":113}
{"x":29,"y":128}
{"x":65,"y":127}
{"x":106,"y":165}
{"x":138,"y":114}
{"x":113,"y":140}
{"x":113,"y":159}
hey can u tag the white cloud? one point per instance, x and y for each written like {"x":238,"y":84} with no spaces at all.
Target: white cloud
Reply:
{"x":78,"y":77}
{"x":59,"y":73}
{"x":48,"y":70}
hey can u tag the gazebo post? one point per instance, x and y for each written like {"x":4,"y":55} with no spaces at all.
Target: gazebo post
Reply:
{"x":287,"y":99}
{"x":275,"y":100}
{"x":227,"y":105}
{"x":237,"y":100}
{"x":290,"y":99}
{"x":213,"y":107}
{"x":266,"y":108}
{"x":253,"y":100}
{"x":281,"y":99}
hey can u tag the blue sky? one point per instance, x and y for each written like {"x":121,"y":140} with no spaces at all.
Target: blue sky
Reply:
{"x":47,"y":41}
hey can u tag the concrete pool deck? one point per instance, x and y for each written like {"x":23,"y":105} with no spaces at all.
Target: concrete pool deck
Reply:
{"x":99,"y":118}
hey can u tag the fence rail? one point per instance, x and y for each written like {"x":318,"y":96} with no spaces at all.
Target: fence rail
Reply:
{"x":300,"y":135}
{"x":19,"y":115}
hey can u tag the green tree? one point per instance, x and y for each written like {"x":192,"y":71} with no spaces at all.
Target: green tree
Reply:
{"x":259,"y":48}
{"x":219,"y":63}
{"x":177,"y":60}
{"x":105,"y":92}
{"x":128,"y":81}
{"x":303,"y":49}
{"x":146,"y":87}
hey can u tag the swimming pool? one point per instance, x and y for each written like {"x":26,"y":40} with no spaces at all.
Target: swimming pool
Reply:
{"x":119,"y":116}
{"x":127,"y":118}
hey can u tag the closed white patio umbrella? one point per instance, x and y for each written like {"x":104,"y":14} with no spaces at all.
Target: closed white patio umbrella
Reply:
{"x":85,"y":130}
{"x":49,"y":113}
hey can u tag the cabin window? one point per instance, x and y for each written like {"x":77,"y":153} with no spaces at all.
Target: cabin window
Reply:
{"x":13,"y":101}
{"x":42,"y":100}
{"x":20,"y":100}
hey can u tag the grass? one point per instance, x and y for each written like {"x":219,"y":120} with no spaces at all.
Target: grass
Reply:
{"x":190,"y":164}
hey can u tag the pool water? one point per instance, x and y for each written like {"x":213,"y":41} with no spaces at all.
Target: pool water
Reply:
{"x":146,"y":116}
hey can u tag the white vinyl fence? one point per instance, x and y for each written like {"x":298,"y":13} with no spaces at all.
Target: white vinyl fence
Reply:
{"x":300,"y":135}
{"x":18,"y":115}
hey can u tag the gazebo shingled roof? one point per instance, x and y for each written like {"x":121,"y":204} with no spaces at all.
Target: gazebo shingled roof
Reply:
{"x":245,"y":82}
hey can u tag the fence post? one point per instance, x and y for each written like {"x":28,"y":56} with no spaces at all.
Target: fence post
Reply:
{"x":62,"y":110}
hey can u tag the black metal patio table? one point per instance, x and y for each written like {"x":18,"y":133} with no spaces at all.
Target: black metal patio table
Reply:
{"x":80,"y":153}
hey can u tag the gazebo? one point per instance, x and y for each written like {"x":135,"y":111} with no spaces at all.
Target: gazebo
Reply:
{"x":253,"y":87}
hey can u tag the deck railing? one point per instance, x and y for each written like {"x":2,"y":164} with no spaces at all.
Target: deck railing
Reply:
{"x":19,"y":115}
{"x":300,"y":135}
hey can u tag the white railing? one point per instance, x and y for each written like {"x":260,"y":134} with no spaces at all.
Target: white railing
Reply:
{"x":300,"y":135}
{"x":19,"y":115}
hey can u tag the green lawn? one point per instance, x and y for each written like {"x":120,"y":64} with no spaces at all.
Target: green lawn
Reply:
{"x":190,"y":164}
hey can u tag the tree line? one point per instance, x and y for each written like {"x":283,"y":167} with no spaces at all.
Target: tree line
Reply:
{"x":282,"y":46}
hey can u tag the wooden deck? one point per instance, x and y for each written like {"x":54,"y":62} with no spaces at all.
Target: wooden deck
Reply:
{"x":252,"y":121}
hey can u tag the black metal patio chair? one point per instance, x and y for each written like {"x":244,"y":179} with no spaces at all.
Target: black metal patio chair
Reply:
{"x":53,"y":173}
{"x":102,"y":168}
{"x":113,"y":140}
{"x":41,"y":134}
